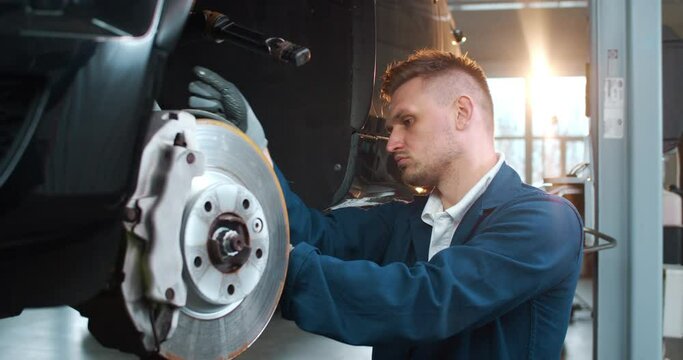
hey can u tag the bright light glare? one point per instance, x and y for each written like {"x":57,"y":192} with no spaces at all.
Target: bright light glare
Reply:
{"x":453,"y":42}
{"x":557,"y":102}
{"x":420,"y":190}
{"x":546,"y":96}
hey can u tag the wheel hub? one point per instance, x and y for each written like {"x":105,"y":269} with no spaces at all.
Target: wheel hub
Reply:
{"x":224,"y":244}
{"x":228,"y":244}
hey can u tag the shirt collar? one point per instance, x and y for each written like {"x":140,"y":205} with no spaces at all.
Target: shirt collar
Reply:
{"x":434,"y":207}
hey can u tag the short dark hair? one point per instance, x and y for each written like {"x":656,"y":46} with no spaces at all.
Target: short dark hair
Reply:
{"x":429,"y":63}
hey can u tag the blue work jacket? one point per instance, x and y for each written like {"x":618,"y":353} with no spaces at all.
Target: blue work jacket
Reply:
{"x":502,"y":290}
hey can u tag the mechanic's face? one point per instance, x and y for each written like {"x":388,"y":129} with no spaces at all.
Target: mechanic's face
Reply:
{"x":423,"y":137}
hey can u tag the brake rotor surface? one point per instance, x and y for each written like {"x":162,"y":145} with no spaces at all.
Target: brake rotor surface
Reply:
{"x":235,"y":243}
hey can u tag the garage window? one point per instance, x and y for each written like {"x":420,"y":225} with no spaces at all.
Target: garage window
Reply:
{"x":540,"y":124}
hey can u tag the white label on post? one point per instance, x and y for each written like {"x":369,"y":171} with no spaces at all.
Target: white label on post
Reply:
{"x":613,"y":108}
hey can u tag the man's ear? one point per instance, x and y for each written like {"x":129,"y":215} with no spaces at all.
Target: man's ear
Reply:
{"x":464,"y":107}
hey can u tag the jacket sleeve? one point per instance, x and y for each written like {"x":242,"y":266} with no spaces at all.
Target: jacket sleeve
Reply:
{"x":520,"y":251}
{"x":347,"y":233}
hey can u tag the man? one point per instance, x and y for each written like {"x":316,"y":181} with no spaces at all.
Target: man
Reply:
{"x":484,"y":268}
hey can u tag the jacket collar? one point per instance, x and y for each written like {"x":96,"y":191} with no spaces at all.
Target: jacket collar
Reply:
{"x":502,"y":188}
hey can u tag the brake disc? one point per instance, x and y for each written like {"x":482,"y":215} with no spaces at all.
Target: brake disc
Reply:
{"x":234,"y":244}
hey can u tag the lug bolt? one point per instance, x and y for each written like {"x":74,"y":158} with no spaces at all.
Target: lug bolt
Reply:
{"x":190,"y":158}
{"x":258,"y":225}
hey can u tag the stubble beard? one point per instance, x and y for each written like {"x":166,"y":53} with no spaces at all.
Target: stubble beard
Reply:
{"x":434,"y":164}
{"x":419,"y":175}
{"x":428,"y":173}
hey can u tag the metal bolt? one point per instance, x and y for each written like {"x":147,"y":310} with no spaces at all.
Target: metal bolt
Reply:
{"x":208,"y":206}
{"x":245,"y":203}
{"x":337,"y":167}
{"x":170,"y":294}
{"x":231,"y":289}
{"x":197,"y":261}
{"x":131,"y":214}
{"x":259,"y":253}
{"x":190,"y":158}
{"x":258,"y":225}
{"x":234,"y":243}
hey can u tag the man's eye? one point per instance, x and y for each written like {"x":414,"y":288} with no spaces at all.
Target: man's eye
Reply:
{"x":407,"y":121}
{"x":389,"y":129}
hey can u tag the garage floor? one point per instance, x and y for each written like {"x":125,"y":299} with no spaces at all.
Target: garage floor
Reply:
{"x":61,"y":333}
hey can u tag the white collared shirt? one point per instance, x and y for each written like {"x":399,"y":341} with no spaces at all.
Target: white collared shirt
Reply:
{"x":444,"y":223}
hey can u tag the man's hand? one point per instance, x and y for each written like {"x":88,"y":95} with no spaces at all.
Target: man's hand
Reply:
{"x":214,"y":94}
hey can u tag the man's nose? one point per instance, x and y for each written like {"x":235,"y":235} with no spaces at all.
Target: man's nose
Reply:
{"x":395,"y":141}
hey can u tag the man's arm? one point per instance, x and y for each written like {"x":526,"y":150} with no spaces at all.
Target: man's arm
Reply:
{"x":523,"y":250}
{"x":347,"y":233}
